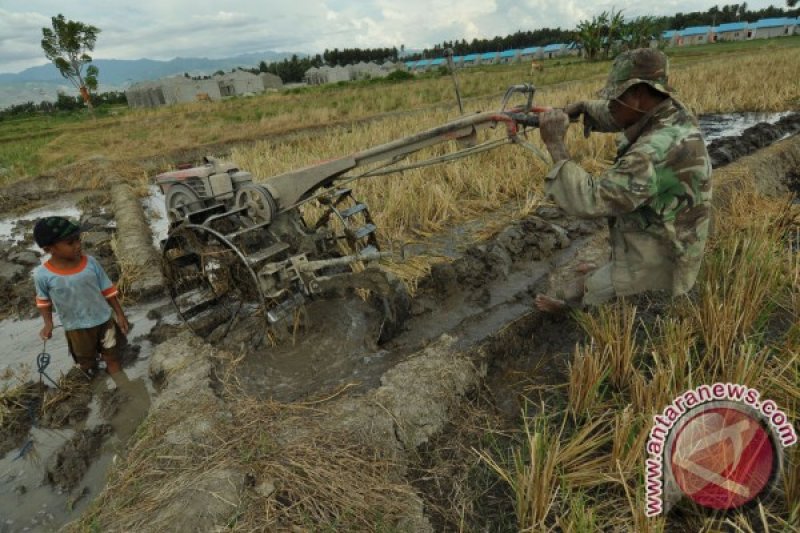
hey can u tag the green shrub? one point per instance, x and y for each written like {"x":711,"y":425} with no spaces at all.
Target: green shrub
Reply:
{"x":399,"y":75}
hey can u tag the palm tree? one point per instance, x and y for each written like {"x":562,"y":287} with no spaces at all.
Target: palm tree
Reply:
{"x":590,"y":35}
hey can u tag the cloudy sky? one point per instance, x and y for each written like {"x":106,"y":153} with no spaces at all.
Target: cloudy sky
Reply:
{"x":164,"y":29}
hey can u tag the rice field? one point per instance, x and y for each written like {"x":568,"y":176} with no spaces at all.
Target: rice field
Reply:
{"x":576,"y":463}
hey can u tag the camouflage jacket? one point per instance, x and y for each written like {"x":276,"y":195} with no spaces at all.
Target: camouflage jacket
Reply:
{"x":657,"y":197}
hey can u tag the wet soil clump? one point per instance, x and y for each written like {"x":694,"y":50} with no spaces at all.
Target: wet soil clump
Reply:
{"x":728,"y":149}
{"x":67,"y":467}
{"x":69,"y":404}
{"x":18,"y":408}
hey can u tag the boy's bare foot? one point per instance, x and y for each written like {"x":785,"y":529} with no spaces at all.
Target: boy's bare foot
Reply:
{"x":585,"y":268}
{"x":548,"y":304}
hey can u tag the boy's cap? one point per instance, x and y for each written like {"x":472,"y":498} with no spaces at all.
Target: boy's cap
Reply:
{"x":644,"y":65}
{"x":50,"y":230}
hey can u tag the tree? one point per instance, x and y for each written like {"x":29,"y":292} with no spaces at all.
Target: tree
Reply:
{"x":638,"y":32}
{"x":590,"y":35}
{"x":66,"y":45}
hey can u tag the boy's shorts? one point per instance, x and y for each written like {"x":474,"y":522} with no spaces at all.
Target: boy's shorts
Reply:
{"x":105,"y":339}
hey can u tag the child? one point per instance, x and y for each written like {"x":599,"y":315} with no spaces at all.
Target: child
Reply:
{"x":83,"y":296}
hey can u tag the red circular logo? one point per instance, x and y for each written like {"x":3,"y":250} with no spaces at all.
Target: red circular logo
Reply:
{"x":722,"y":458}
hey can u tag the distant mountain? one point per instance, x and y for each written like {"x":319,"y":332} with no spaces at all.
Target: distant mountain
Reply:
{"x":42,"y":82}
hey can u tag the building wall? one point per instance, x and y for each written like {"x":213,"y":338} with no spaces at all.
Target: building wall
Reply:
{"x":739,"y":35}
{"x":189,"y":90}
{"x":239,"y":83}
{"x":769,"y":33}
{"x":270,"y":81}
{"x":147,"y":94}
{"x":337,"y":74}
{"x":691,"y":40}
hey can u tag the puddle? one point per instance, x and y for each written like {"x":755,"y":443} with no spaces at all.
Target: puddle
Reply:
{"x":717,"y":126}
{"x":155,"y":212}
{"x":11,"y":229}
{"x":27,"y":501}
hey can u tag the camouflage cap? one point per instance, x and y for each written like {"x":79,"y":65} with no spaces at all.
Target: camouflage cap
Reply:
{"x":643,"y":65}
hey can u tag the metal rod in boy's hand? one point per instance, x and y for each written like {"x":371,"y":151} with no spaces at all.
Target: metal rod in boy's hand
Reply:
{"x":42,"y":362}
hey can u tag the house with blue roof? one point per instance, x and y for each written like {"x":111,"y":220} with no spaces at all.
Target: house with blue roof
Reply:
{"x":730,"y":31}
{"x":554,"y":50}
{"x":438,"y":62}
{"x":777,"y":27}
{"x":695,"y":35}
{"x":458,"y":61}
{"x":531,"y":53}
{"x":510,"y":56}
{"x":422,"y":65}
{"x":670,"y":36}
{"x":471,"y":60}
{"x":490,"y":58}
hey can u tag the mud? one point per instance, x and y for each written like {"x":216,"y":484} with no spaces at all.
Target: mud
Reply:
{"x":60,"y":457}
{"x":66,"y":468}
{"x":727,"y":149}
{"x":491,"y":283}
{"x":19,"y":414}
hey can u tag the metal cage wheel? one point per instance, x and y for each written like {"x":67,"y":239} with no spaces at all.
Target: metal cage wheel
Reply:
{"x":210,"y":281}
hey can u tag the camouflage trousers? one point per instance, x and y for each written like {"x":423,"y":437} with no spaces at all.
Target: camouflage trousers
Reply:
{"x":598,"y":287}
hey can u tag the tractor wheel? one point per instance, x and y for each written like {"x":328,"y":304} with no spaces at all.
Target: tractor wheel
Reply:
{"x":180,"y":201}
{"x":258,"y":202}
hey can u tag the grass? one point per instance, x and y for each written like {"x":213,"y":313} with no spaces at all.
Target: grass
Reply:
{"x":635,"y":362}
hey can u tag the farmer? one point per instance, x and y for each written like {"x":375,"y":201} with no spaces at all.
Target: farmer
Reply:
{"x":657,"y":194}
{"x":82,"y":294}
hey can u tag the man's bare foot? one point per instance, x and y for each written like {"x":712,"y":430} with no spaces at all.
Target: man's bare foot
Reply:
{"x":585,"y":268}
{"x":548,"y":304}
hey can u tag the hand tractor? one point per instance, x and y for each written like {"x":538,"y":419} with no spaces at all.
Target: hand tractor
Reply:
{"x":241,"y":249}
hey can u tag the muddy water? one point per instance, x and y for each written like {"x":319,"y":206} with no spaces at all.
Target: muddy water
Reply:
{"x":155,"y":212}
{"x":12,"y":231}
{"x":716,"y":126}
{"x":27,"y":501}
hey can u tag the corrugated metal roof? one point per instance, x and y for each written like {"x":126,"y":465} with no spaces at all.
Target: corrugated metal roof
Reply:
{"x":470,"y":57}
{"x":423,"y":63}
{"x":669,"y":34}
{"x":695,"y":30}
{"x":731,"y":26}
{"x":554,"y":47}
{"x":773,"y":23}
{"x":489,"y":55}
{"x":530,"y":50}
{"x":410,"y":64}
{"x":509,"y":53}
{"x":457,"y":59}
{"x":437,"y":61}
